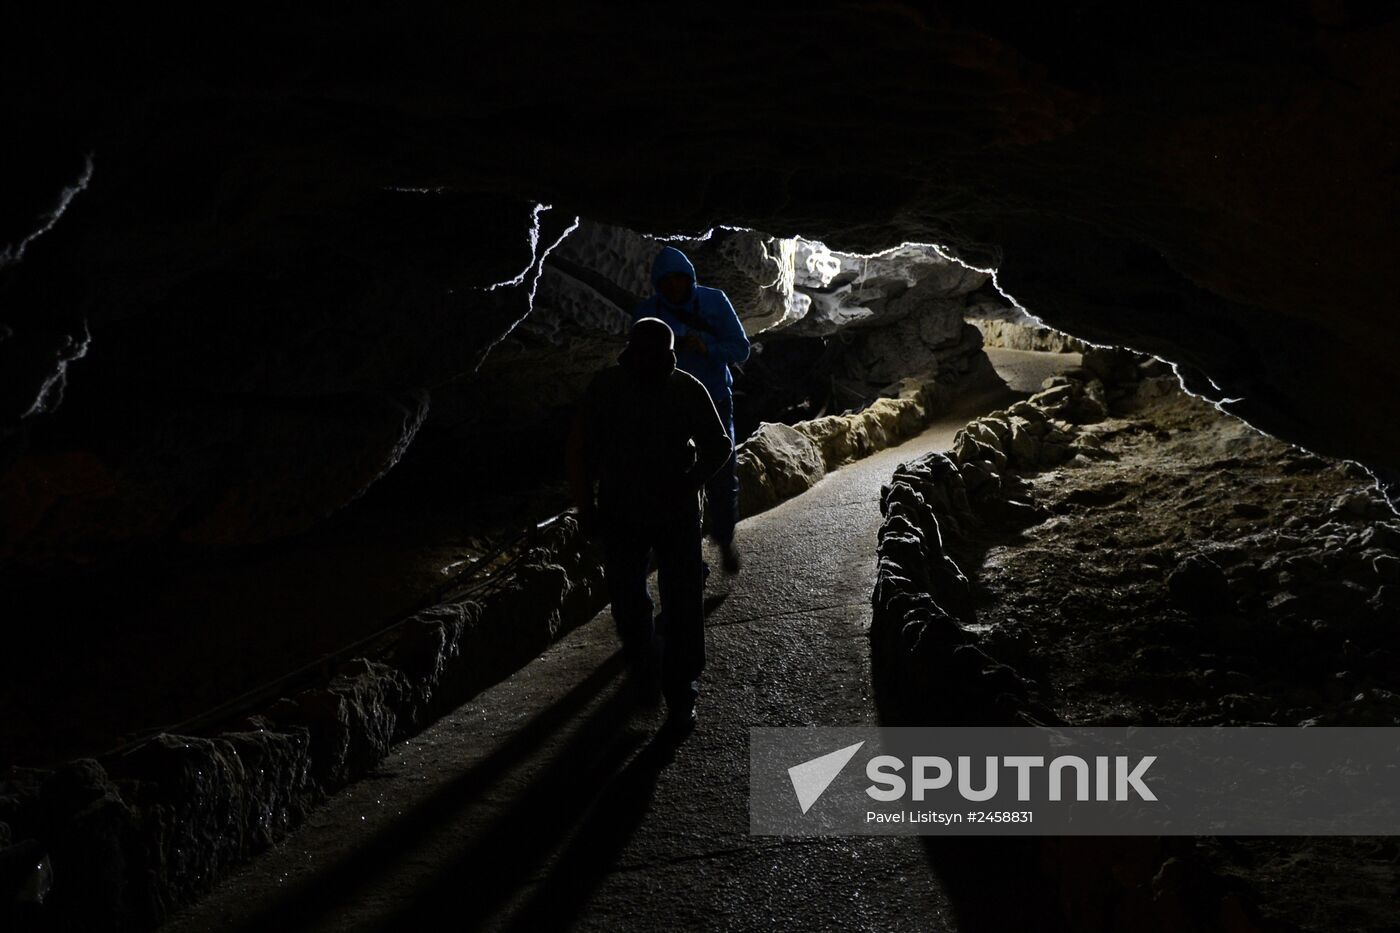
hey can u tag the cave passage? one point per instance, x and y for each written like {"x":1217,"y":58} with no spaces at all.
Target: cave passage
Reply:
{"x":556,"y":803}
{"x":870,"y":349}
{"x":295,"y":310}
{"x":526,"y":769}
{"x":833,"y":332}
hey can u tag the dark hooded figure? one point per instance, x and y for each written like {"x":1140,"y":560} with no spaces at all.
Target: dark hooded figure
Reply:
{"x":648,"y":435}
{"x":709,"y":339}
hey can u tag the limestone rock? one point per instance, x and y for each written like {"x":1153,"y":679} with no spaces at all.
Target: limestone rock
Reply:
{"x":1025,"y":446}
{"x":1387,"y":567}
{"x":889,"y":420}
{"x":840,"y":438}
{"x":1199,"y":586}
{"x":1112,"y":365}
{"x":353,"y":720}
{"x":754,"y":270}
{"x":911,"y":281}
{"x":933,"y":343}
{"x":1359,"y":504}
{"x":1031,"y":413}
{"x":976,"y":474}
{"x":777,"y":462}
{"x":1070,"y":401}
{"x":1027,"y":335}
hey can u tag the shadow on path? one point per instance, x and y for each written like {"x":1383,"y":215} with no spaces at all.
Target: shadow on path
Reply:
{"x":593,"y":851}
{"x":585,"y":808}
{"x":994,"y":883}
{"x":502,"y":856}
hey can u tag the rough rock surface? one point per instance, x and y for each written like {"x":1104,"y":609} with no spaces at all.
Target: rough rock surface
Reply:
{"x":753,"y":269}
{"x":238,"y":403}
{"x":779,"y":461}
{"x":1163,"y":565}
{"x":1016,"y":335}
{"x":930,"y":666}
{"x":790,"y":286}
{"x":845,"y":289}
{"x":774,"y":464}
{"x":877,"y":319}
{"x":141,"y":833}
{"x":843,"y":438}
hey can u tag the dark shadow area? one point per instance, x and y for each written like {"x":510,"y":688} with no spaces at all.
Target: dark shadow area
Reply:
{"x":97,"y":656}
{"x":994,"y":885}
{"x":505,"y":856}
{"x":603,"y":833}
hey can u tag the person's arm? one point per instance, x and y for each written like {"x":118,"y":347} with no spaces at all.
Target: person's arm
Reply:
{"x":712,"y":443}
{"x":728,"y":343}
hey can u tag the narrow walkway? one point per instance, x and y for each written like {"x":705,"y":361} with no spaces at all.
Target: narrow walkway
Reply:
{"x":540,"y":804}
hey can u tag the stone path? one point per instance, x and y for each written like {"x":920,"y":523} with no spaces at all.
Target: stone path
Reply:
{"x":541,"y":804}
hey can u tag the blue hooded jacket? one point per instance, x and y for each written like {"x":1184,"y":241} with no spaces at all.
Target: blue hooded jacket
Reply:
{"x":719,"y":327}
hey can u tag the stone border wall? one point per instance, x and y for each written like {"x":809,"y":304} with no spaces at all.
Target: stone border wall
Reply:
{"x":930,"y":668}
{"x":779,"y":461}
{"x":133,"y":837}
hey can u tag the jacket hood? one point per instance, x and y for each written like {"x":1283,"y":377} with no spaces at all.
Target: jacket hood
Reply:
{"x":671,"y":260}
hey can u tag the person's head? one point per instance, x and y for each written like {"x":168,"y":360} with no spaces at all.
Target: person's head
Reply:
{"x":673,"y":276}
{"x":674,"y":287}
{"x":650,"y":348}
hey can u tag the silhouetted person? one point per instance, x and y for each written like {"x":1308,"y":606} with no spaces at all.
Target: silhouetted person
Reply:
{"x":649,"y":436}
{"x":709,"y":338}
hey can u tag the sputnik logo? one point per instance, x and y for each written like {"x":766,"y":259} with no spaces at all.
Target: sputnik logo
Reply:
{"x":811,"y":778}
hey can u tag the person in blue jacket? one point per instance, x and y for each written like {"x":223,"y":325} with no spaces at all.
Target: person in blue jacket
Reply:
{"x":709,"y":339}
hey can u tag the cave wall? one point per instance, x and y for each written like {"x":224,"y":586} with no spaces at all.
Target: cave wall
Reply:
{"x":754,"y":269}
{"x":249,"y":385}
{"x":238,"y":262}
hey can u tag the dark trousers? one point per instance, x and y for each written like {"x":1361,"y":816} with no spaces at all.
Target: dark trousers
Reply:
{"x":722,"y":490}
{"x":679,"y":632}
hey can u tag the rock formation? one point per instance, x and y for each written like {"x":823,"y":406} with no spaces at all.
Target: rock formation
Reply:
{"x":1156,"y":562}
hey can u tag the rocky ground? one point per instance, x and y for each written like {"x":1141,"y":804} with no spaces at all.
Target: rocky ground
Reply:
{"x":1189,"y":570}
{"x":1196,"y":572}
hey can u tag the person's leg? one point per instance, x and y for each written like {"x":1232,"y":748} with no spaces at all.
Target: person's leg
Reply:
{"x":722,"y":494}
{"x":626,"y":557}
{"x":679,"y":577}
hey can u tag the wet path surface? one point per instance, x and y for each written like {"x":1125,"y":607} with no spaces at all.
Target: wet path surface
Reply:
{"x":543,"y":803}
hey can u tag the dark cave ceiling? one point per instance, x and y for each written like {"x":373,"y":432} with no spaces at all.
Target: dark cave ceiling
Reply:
{"x":249,"y":314}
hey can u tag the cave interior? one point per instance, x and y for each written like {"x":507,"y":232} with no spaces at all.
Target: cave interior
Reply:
{"x":293,"y":321}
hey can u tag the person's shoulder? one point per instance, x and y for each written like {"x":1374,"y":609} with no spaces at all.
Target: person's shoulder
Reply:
{"x":687,"y":386}
{"x":685,"y":381}
{"x":713,"y":298}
